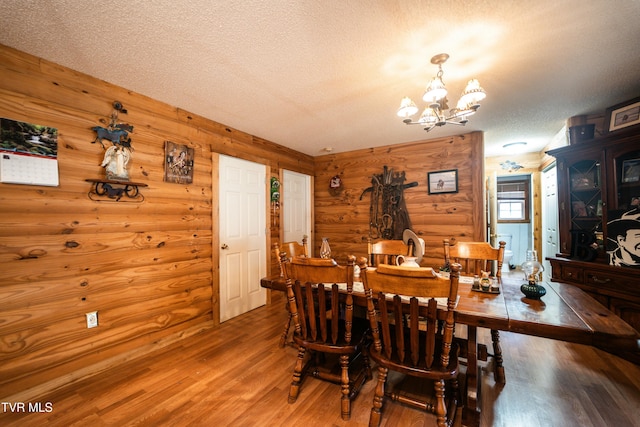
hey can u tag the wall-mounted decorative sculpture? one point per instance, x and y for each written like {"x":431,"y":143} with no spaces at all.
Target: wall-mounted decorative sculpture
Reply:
{"x":117,"y":134}
{"x":116,"y":187}
{"x":117,"y":156}
{"x":388,"y":215}
{"x":335,"y":185}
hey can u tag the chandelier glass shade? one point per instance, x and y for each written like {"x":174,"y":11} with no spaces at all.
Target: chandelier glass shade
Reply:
{"x":435,"y":95}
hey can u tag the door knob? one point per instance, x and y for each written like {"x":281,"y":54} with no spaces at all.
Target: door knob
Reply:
{"x":224,"y":246}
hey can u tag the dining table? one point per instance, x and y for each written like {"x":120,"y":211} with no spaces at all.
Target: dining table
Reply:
{"x":564,"y":313}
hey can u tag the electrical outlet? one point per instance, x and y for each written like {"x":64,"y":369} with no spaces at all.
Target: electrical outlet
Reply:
{"x":92,"y":319}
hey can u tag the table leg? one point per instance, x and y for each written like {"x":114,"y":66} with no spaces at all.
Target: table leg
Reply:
{"x":471,"y":413}
{"x":497,"y":357}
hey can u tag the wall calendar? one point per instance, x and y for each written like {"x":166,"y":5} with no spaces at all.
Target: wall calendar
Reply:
{"x":28,"y":153}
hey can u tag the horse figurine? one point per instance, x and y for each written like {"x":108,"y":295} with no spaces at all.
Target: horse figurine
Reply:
{"x":116,"y":135}
{"x":113,"y":193}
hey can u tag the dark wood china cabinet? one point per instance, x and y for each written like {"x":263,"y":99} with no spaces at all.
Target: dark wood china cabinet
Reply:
{"x":598,"y":180}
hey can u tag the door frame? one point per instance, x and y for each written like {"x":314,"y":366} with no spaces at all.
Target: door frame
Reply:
{"x":215,"y":239}
{"x":308,"y":207}
{"x":546,"y":210}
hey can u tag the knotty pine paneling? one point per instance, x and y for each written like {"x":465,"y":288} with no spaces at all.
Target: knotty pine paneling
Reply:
{"x":344,"y":218}
{"x":149,"y":269}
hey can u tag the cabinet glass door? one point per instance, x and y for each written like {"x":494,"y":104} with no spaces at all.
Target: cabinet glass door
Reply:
{"x":586,"y":201}
{"x":627,"y":167}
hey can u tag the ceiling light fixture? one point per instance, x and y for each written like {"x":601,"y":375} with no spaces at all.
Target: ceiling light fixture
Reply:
{"x":436,"y":97}
{"x":510,"y":166}
{"x":513,"y":145}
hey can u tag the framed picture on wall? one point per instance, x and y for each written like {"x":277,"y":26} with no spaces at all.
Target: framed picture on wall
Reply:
{"x":178,"y":163}
{"x":440,"y":182}
{"x":622,"y":115}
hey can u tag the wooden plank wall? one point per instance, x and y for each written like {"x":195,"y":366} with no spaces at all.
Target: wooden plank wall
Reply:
{"x":344,"y":218}
{"x":150,"y":269}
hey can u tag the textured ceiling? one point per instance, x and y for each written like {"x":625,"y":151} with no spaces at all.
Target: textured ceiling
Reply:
{"x":311,"y":74}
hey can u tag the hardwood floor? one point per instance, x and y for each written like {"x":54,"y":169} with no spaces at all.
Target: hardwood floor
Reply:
{"x":237,"y":375}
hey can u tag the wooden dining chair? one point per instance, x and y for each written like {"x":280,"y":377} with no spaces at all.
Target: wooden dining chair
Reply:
{"x":386,"y":251}
{"x":421,"y":345}
{"x":325,"y":326}
{"x":475,"y":257}
{"x":284,"y":251}
{"x":291,"y":249}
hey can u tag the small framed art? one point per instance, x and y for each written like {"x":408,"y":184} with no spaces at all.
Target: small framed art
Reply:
{"x":631,"y":170}
{"x":178,"y":163}
{"x":443,"y":181}
{"x":583,"y":180}
{"x":622,"y":115}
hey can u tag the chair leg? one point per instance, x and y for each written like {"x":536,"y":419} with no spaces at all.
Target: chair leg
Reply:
{"x":297,"y":375}
{"x":367,"y":364}
{"x":440,"y":407}
{"x":378,"y":398}
{"x":455,"y":391}
{"x":285,"y":333}
{"x":497,"y":356}
{"x":344,"y":380}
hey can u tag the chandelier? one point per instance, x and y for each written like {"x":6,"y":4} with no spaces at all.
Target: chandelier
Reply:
{"x":436,"y":98}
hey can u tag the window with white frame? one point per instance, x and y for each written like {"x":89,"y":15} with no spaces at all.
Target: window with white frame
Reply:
{"x":513,"y":198}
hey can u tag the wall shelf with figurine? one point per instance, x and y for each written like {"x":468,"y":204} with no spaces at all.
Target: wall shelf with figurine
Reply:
{"x":110,"y":190}
{"x":116,"y":187}
{"x":118,"y":155}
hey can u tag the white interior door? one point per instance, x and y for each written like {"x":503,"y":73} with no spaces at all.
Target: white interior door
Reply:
{"x":242,"y":236}
{"x":549,"y":218}
{"x":296,"y":206}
